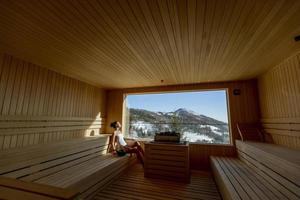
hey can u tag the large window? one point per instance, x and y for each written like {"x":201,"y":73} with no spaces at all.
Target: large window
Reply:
{"x":199,"y":116}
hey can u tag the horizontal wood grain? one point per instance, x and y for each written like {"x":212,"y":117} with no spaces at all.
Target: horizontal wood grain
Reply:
{"x":167,"y":161}
{"x":239,"y":180}
{"x":133,"y":185}
{"x":144,"y":42}
{"x":82,"y":165}
{"x":19,"y":189}
{"x":279,"y":94}
{"x":40,"y":106}
{"x":279,"y":165}
{"x":261,"y":171}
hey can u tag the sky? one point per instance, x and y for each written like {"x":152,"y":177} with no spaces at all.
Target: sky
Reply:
{"x":210,"y":103}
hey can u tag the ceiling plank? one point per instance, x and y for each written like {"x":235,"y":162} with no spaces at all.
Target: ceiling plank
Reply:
{"x":140,"y":43}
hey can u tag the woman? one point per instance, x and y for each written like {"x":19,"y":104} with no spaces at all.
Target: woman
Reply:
{"x":119,"y":144}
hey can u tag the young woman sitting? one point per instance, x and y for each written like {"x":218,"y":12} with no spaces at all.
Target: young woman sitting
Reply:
{"x":119,"y":145}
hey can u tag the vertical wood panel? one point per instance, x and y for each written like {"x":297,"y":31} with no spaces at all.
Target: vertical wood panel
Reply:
{"x":32,"y":93}
{"x":279,"y":92}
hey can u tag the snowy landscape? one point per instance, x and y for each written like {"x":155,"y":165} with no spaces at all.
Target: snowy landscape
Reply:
{"x":192,"y":126}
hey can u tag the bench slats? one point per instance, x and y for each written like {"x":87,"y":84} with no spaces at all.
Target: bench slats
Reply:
{"x":15,"y":188}
{"x":16,"y":151}
{"x":103,"y":179}
{"x":78,"y":164}
{"x":260,"y":183}
{"x":225,"y":186}
{"x":45,"y":150}
{"x":235,"y":169}
{"x":238,"y":190}
{"x":43,"y":155}
{"x":8,"y":193}
{"x":279,"y":159}
{"x":57,"y":162}
{"x":253,"y":186}
{"x":52,"y":170}
{"x":277,"y":181}
{"x":261,"y":171}
{"x":73,"y":174}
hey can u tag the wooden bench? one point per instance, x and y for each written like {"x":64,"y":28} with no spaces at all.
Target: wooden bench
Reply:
{"x":16,"y":189}
{"x":82,"y":165}
{"x":262,"y":171}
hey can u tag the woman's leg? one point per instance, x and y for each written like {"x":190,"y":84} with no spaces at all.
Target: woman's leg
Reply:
{"x":137,"y":152}
{"x":137,"y":145}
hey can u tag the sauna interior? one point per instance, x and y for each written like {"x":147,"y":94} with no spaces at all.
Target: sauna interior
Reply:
{"x":69,"y":67}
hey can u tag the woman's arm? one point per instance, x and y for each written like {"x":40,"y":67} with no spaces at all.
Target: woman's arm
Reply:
{"x":113,"y":141}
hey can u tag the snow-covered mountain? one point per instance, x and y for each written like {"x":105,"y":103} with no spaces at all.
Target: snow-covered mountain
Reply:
{"x":193,"y":127}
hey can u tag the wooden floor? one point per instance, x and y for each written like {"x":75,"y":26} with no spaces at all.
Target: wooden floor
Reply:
{"x":133,"y":185}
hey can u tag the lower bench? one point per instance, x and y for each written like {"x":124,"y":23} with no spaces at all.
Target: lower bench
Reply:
{"x":81,"y":165}
{"x":261,"y":171}
{"x":236,"y":180}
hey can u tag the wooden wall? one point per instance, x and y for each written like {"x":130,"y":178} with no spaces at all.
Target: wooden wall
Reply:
{"x":40,"y":106}
{"x":199,"y":154}
{"x":243,"y":108}
{"x":279,"y":92}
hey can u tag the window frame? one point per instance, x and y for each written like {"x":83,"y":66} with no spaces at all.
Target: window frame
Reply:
{"x":182,"y":91}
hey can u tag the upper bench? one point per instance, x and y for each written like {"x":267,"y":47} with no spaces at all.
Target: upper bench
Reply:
{"x":79,"y":164}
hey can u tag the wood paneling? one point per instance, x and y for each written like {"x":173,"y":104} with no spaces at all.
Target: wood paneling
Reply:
{"x":279,"y":92}
{"x":39,"y":106}
{"x":138,"y":43}
{"x":200,"y":153}
{"x":243,"y":109}
{"x":115,"y":101}
{"x":167,"y":161}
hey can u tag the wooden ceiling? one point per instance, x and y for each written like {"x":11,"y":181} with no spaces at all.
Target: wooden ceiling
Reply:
{"x":138,"y":43}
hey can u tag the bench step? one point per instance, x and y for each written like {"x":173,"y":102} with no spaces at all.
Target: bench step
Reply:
{"x":279,"y":159}
{"x":82,"y":165}
{"x":237,"y":180}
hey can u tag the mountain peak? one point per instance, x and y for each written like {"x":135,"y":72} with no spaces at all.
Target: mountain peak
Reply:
{"x":184,"y":110}
{"x":181,"y":110}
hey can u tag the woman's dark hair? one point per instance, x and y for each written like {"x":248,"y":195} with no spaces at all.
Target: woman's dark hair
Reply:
{"x":114,"y":124}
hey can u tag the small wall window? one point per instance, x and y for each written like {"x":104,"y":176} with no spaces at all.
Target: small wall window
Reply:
{"x":199,"y":116}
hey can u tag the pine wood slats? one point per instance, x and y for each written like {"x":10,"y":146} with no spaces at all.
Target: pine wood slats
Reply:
{"x":11,"y":194}
{"x":78,"y":164}
{"x":15,"y":127}
{"x":261,"y":171}
{"x":282,"y":163}
{"x":145,"y":41}
{"x":15,"y":189}
{"x":133,"y":185}
{"x":167,"y":161}
{"x":40,"y":106}
{"x":279,"y":92}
